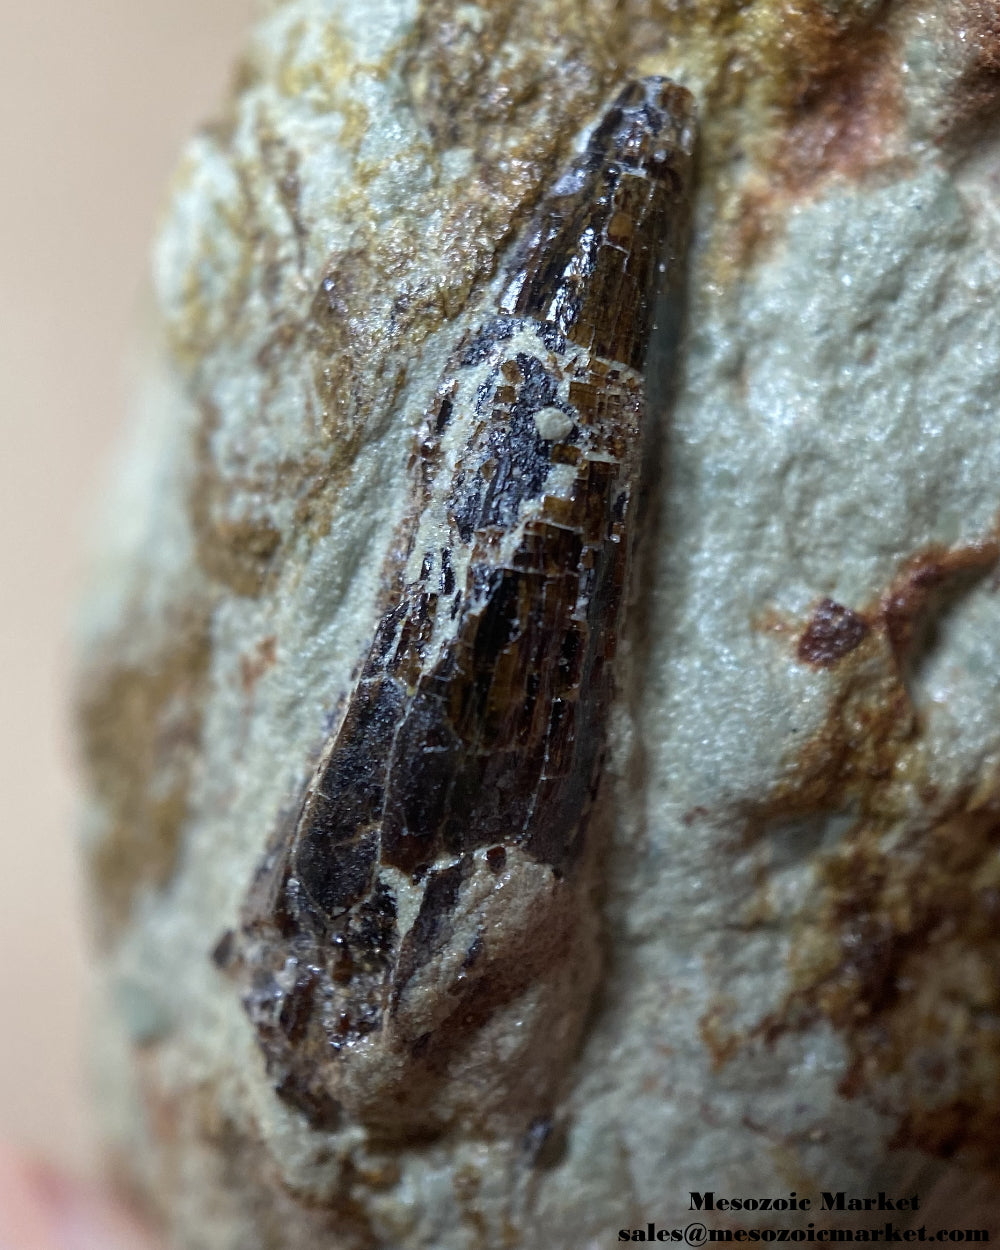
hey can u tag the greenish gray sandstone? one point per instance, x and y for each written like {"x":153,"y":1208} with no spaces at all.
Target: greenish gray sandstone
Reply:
{"x":801,"y":889}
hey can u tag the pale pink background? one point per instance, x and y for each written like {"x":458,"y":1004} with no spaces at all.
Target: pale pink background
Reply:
{"x":96,"y":97}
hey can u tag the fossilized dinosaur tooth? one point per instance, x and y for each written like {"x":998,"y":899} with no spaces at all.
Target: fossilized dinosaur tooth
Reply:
{"x":435,"y":892}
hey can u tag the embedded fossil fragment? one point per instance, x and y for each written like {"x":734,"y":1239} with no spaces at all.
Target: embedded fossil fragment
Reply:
{"x":437,"y":882}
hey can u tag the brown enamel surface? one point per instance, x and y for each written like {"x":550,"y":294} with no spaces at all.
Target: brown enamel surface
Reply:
{"x":480,"y":716}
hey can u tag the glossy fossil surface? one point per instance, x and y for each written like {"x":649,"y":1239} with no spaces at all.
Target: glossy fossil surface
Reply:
{"x":458,"y":786}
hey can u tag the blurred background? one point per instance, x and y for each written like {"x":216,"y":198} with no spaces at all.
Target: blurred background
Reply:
{"x":96,"y":99}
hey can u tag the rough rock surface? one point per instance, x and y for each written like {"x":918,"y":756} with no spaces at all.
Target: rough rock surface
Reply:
{"x":802,"y":891}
